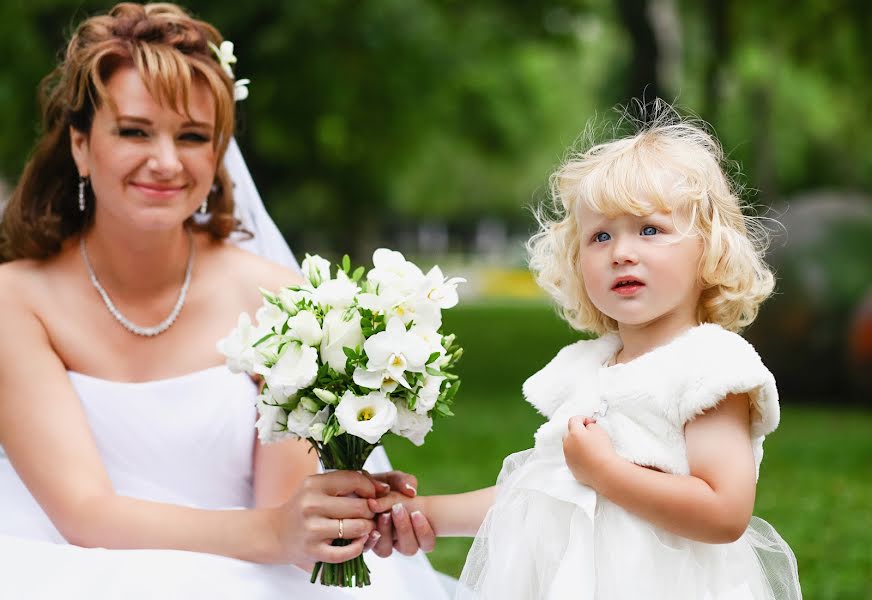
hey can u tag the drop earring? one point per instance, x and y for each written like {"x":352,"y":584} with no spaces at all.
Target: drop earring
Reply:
{"x":82,"y":182}
{"x":204,"y":208}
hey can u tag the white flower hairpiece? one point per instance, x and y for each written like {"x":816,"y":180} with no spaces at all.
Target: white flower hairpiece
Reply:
{"x":226,"y":58}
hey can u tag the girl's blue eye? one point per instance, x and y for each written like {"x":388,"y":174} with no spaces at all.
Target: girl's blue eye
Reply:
{"x":602,"y":236}
{"x":649,"y":230}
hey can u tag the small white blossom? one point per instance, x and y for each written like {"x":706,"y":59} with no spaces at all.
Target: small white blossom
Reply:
{"x":271,"y":420}
{"x":393,"y":273}
{"x":304,"y":326}
{"x":339,"y":333}
{"x":270,"y":317}
{"x":367,"y":417}
{"x":240,"y":89}
{"x":225,"y":56}
{"x":300,"y":420}
{"x":411,"y":425}
{"x":315,"y":269}
{"x":237,"y":346}
{"x":336,"y":293}
{"x":295,"y":369}
{"x":428,"y":394}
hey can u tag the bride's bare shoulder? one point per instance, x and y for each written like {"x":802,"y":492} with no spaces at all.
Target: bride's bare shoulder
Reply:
{"x":251,"y":270}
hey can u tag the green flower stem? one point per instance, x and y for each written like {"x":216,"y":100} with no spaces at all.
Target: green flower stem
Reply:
{"x":343,"y":452}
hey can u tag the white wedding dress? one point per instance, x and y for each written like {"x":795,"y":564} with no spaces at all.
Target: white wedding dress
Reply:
{"x":186,"y":440}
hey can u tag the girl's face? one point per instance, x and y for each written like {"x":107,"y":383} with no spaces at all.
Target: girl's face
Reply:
{"x":150,"y":166}
{"x":640,"y":270}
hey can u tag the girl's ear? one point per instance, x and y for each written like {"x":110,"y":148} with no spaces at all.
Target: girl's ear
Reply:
{"x":79,"y":149}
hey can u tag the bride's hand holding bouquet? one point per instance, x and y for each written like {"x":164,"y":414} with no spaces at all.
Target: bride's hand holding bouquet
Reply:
{"x":347,"y":359}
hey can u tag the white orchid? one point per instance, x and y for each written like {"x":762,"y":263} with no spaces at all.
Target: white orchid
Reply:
{"x":295,"y":369}
{"x":417,"y":309}
{"x":240,"y":89}
{"x":439,"y":290}
{"x":336,"y":293}
{"x":390,"y":354}
{"x":340,"y":333}
{"x":225,"y":56}
{"x":315,"y":269}
{"x":393,"y":272}
{"x":367,"y":417}
{"x":411,"y":424}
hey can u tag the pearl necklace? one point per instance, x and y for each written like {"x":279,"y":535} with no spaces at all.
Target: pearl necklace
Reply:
{"x":125,"y":322}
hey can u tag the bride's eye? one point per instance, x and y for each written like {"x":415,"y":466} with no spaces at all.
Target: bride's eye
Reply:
{"x":130,"y":132}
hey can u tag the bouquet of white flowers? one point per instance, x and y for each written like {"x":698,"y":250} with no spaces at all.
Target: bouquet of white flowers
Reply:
{"x":348,"y":359}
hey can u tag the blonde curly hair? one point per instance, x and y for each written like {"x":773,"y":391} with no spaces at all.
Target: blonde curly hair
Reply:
{"x":628,"y":175}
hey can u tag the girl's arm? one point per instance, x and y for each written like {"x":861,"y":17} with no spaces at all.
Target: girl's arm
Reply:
{"x":713,"y":504}
{"x":449,"y":515}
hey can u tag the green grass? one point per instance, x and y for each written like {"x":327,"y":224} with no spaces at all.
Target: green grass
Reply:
{"x":815,"y":484}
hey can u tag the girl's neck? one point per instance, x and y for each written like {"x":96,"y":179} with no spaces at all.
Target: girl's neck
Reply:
{"x":639,"y":340}
{"x":138,"y":264}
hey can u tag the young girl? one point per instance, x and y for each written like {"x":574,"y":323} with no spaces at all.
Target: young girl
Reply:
{"x":642,"y":482}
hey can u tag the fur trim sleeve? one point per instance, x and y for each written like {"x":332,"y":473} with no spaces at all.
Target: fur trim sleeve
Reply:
{"x":547,"y":388}
{"x":719,"y":363}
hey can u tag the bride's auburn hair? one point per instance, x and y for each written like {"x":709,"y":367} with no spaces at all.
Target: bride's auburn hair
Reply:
{"x":170,"y":50}
{"x":667,"y":164}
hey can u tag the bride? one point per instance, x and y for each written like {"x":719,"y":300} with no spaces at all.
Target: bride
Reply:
{"x":128,"y":460}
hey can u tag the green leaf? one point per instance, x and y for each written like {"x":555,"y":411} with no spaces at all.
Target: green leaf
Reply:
{"x":432,"y":357}
{"x":435,"y":372}
{"x":358,"y":273}
{"x":263,"y":339}
{"x":346,"y":263}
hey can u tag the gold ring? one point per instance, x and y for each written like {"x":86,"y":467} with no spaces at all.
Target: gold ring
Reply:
{"x":341,"y":530}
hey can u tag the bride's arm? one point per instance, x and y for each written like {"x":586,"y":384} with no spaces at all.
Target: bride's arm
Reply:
{"x":45,"y":433}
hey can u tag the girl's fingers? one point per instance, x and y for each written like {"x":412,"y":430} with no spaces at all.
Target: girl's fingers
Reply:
{"x":384,"y":547}
{"x":405,"y":543}
{"x":372,"y":540}
{"x":423,"y":531}
{"x":400,"y":482}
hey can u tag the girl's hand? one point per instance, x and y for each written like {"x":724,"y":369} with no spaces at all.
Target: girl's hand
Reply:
{"x":588,"y":450}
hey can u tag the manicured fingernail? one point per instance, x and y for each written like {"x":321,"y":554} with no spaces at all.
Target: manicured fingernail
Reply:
{"x":417,"y":517}
{"x":413,"y":490}
{"x":385,"y":487}
{"x":385,"y":518}
{"x":398,"y":508}
{"x":374,"y":536}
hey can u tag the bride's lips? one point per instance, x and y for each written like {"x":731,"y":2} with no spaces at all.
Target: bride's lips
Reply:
{"x":627,"y":286}
{"x":158,"y":190}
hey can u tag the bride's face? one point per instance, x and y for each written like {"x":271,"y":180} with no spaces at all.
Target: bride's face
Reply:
{"x":150,"y":165}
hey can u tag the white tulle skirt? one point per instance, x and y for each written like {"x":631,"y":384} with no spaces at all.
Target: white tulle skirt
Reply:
{"x":547,"y":537}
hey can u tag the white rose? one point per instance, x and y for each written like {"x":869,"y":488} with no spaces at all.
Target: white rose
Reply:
{"x":428,"y":394}
{"x":338,"y":334}
{"x":271,"y":421}
{"x":237,"y":346}
{"x":295,"y":369}
{"x":411,"y":425}
{"x":304,"y":326}
{"x":300,"y":420}
{"x":315,"y":269}
{"x":336,"y":293}
{"x":367,"y":417}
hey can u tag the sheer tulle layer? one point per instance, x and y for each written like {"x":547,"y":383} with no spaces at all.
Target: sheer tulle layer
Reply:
{"x":543,"y":544}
